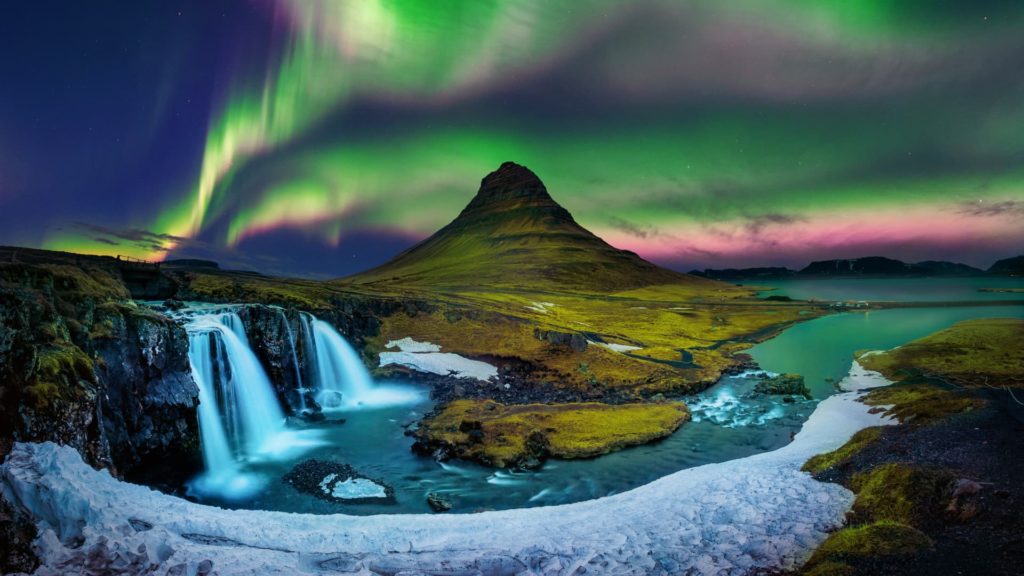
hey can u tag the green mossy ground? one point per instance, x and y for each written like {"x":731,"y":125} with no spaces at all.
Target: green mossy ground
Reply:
{"x":897,"y":501}
{"x":841,"y":455}
{"x":59,"y":371}
{"x":506,"y":435}
{"x":922,"y":403}
{"x":980,"y":352}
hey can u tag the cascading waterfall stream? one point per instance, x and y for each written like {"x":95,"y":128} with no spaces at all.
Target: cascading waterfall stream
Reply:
{"x":342,"y":378}
{"x":295,"y":362}
{"x":241,"y":421}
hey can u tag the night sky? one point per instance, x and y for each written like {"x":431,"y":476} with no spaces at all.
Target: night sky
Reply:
{"x":322,"y":137}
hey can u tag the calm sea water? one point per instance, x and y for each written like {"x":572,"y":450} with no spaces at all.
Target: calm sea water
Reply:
{"x":727,"y":424}
{"x":896,"y":289}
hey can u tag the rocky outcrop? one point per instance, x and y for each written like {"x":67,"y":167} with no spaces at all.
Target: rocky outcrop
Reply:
{"x":783,"y":385}
{"x":82,"y":365}
{"x":149,"y":399}
{"x":575,"y":341}
{"x":272,"y":332}
{"x":338,"y":482}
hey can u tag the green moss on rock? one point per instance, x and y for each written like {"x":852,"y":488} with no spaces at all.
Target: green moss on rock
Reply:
{"x":922,"y":403}
{"x":885,"y":538}
{"x":841,"y":455}
{"x":899,"y":492}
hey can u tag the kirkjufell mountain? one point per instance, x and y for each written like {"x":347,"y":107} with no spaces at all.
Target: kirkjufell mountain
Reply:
{"x":514,"y":234}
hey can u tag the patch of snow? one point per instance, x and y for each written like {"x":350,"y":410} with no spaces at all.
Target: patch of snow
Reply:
{"x":407,"y":344}
{"x":351,"y":488}
{"x":441,"y":363}
{"x":860,"y":378}
{"x":326,"y":482}
{"x":616,"y":347}
{"x":725,"y":518}
{"x":542,"y":307}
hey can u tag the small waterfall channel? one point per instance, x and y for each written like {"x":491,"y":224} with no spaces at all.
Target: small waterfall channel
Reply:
{"x":240,"y":418}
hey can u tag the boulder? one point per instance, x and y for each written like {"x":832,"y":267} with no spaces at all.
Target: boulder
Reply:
{"x":783,"y":385}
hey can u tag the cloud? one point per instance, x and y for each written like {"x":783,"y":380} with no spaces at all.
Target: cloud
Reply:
{"x":636,"y":230}
{"x":992,"y":209}
{"x":754,"y":225}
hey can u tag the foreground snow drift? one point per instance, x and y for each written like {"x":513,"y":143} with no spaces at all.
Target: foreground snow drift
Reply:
{"x":726,"y":518}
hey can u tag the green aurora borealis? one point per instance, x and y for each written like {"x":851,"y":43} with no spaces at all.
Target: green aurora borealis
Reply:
{"x":725,"y":133}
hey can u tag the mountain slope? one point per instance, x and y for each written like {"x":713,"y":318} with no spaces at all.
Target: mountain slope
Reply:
{"x":514,"y":235}
{"x":1008,"y":267}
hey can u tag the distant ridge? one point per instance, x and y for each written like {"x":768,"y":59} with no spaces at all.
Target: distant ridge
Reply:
{"x":513,"y":234}
{"x":867,"y":266}
{"x":1008,"y":267}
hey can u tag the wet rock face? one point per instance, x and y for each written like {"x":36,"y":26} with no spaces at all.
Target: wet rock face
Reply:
{"x":268,"y":331}
{"x":81,"y":365}
{"x":150,"y":400}
{"x":272,"y":329}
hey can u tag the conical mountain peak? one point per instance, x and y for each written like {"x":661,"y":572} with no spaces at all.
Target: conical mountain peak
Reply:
{"x":512,"y":233}
{"x":511,"y":188}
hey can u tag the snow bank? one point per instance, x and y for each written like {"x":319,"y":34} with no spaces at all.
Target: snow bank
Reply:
{"x":726,"y":518}
{"x":860,"y":378}
{"x":542,"y":307}
{"x":616,"y":347}
{"x":427,"y":357}
{"x":409,"y":345}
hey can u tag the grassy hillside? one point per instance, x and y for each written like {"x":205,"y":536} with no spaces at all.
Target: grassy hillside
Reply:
{"x":971,"y":353}
{"x":514,"y":236}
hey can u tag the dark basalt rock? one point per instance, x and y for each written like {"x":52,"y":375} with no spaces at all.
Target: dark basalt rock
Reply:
{"x":575,"y":341}
{"x":82,"y":365}
{"x":783,"y":384}
{"x":319,"y":477}
{"x":437,"y":503}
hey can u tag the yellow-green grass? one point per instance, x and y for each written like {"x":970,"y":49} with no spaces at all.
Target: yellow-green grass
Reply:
{"x":844,"y":453}
{"x":891,"y":499}
{"x":503,"y":326}
{"x":899,"y":493}
{"x":969,"y":353}
{"x":576,"y":430}
{"x":884,"y":538}
{"x":59,"y":370}
{"x":922,"y":403}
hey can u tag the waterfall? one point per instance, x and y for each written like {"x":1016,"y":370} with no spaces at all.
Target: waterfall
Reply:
{"x":309,"y":346}
{"x":342,"y":378}
{"x":217,"y":456}
{"x":239,"y":412}
{"x":295,"y":363}
{"x":233,"y":322}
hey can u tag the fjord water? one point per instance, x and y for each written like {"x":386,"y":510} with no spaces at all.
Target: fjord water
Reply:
{"x":875,"y":289}
{"x":728,"y":424}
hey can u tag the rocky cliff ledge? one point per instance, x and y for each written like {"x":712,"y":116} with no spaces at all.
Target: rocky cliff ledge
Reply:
{"x":82,"y":365}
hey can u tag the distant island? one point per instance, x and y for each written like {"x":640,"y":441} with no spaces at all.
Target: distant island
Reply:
{"x":868,"y":266}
